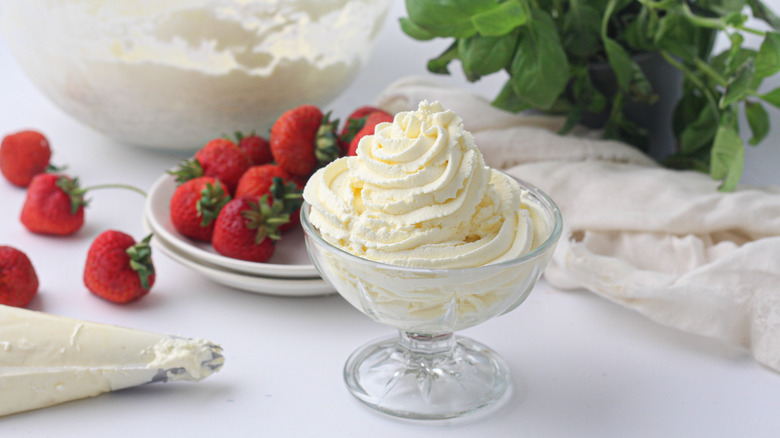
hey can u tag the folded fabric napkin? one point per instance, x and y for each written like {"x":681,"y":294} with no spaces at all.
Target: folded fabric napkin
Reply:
{"x":665,"y":243}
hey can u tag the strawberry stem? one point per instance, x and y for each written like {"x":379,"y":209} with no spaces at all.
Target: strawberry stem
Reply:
{"x":141,"y":260}
{"x":187,"y":170}
{"x":212,"y":199}
{"x":74,"y":191}
{"x":50,"y":168}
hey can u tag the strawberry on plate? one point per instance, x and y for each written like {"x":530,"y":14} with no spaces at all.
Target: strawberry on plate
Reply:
{"x":118,"y":269}
{"x":219,"y":158}
{"x":256,"y":148}
{"x":54,"y":205}
{"x":257,"y":181}
{"x":303,"y":139}
{"x":23,"y":155}
{"x":290,"y":195}
{"x":18,"y":280}
{"x":247,"y":229}
{"x":369,"y":126}
{"x":354,"y":124}
{"x":195,"y":206}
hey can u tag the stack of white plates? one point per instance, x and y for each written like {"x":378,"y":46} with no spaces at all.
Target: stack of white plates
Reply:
{"x":289,"y":272}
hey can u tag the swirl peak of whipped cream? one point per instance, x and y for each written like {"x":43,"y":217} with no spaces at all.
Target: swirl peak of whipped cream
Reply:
{"x":418,"y":193}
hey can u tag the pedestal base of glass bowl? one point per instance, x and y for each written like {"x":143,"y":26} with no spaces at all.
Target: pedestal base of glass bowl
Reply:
{"x":427,"y":377}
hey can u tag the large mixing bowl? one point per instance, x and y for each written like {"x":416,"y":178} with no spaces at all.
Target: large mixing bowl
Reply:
{"x":172,"y":74}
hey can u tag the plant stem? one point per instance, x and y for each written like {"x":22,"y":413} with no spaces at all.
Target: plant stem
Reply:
{"x":691,"y":77}
{"x":711,"y":23}
{"x":751,"y":30}
{"x":704,"y":67}
{"x":607,"y":14}
{"x":116,"y":186}
{"x":714,"y":23}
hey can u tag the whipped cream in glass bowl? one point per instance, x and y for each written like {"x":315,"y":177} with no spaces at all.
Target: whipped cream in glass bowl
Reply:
{"x":173,"y":74}
{"x":419,"y":234}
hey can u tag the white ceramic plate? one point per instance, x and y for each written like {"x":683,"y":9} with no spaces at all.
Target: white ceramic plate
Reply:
{"x":251,"y":283}
{"x":290,"y":260}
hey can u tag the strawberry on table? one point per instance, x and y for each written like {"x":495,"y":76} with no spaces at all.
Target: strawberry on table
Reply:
{"x":303,"y":139}
{"x":18,"y":280}
{"x":257,"y":181}
{"x":256,"y":148}
{"x":118,"y":269}
{"x":247,"y":229}
{"x":353,"y":125}
{"x":219,"y":158}
{"x":23,"y":155}
{"x":195,"y":205}
{"x":369,"y":126}
{"x":54,"y":205}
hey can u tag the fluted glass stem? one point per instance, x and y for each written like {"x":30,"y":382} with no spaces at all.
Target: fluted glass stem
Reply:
{"x":423,"y":376}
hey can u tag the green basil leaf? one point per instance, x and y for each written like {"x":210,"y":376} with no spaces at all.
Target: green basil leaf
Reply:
{"x":728,"y":62}
{"x":768,"y":58}
{"x":701,"y":132}
{"x":447,"y":18}
{"x":439,"y":64}
{"x":501,"y":20}
{"x":735,"y":19}
{"x":724,"y":7}
{"x":678,"y":35}
{"x":508,"y":100}
{"x":629,"y":76}
{"x":687,"y":109}
{"x":584,"y":92}
{"x":772,"y":97}
{"x":740,"y":85}
{"x":620,"y":62}
{"x":758,"y":120}
{"x":727,"y":158}
{"x":539,"y":69}
{"x":415,"y":31}
{"x":482,"y":55}
{"x":581,"y":31}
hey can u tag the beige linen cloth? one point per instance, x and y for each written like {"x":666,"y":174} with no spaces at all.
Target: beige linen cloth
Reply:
{"x":664,"y":243}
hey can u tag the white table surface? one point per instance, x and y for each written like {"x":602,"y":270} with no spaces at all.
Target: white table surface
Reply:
{"x":582,"y":366}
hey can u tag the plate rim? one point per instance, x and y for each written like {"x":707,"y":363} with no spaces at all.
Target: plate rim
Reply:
{"x":301,"y":271}
{"x":289,"y":287}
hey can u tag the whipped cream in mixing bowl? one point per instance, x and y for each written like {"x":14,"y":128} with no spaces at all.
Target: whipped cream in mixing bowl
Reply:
{"x":173,"y":74}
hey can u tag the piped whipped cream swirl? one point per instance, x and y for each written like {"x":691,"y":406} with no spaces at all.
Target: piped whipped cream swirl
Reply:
{"x":419,"y":194}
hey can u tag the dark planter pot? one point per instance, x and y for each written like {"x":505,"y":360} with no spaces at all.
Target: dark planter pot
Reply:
{"x":666,"y":81}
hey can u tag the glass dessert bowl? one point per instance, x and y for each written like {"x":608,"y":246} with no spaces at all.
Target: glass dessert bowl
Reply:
{"x":427,"y":372}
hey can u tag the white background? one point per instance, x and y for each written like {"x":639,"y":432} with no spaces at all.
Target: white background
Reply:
{"x":582,"y":366}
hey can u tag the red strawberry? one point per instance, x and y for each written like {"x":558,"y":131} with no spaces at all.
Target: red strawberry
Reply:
{"x":54,"y":205}
{"x":18,"y":281}
{"x":24,"y":155}
{"x":303,"y":139}
{"x":354,"y":124}
{"x":246,"y":229}
{"x":256,"y":148}
{"x":257,"y":181}
{"x":117,"y":268}
{"x":195,"y":205}
{"x":372,"y":120}
{"x":219,"y":158}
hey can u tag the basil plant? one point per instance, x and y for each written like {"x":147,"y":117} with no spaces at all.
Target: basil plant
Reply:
{"x":547,"y":47}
